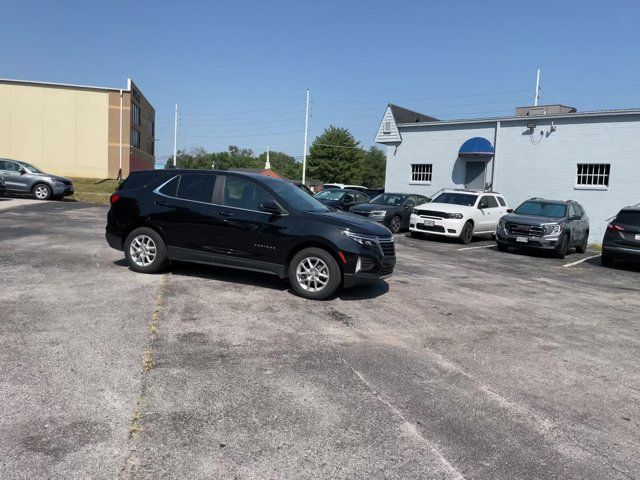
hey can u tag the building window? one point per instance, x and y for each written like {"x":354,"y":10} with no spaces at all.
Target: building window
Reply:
{"x":135,"y":114}
{"x":421,"y":172}
{"x":135,"y":138}
{"x":593,"y":175}
{"x":387,"y":127}
{"x":150,"y":146}
{"x":151,"y":127}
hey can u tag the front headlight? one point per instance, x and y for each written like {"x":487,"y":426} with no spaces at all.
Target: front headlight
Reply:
{"x":365,"y":240}
{"x":54,"y":180}
{"x":457,"y":216}
{"x":377,"y":213}
{"x":553,"y":229}
{"x":501,"y":224}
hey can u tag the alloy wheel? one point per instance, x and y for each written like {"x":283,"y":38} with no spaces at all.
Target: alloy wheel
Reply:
{"x":395,"y":224}
{"x":312,"y":274}
{"x":143,"y":250}
{"x":41,"y":192}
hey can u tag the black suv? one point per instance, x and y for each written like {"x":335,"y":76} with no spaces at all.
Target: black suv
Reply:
{"x":622,"y":239}
{"x":393,"y":210}
{"x":246,"y":221}
{"x":553,"y":225}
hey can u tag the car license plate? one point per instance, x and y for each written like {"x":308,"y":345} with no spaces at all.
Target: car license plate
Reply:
{"x":522,"y":239}
{"x":637,"y":236}
{"x":429,"y":223}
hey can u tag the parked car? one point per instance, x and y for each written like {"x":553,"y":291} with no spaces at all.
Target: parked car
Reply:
{"x":302,"y":186}
{"x":622,"y":238}
{"x":22,"y":177}
{"x":343,"y":186}
{"x":341,"y":199}
{"x":245,"y":221}
{"x":373,"y":192}
{"x":553,"y":225}
{"x":460,"y":214}
{"x":393,"y":210}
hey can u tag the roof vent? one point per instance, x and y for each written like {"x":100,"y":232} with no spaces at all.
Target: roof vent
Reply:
{"x":544,"y":110}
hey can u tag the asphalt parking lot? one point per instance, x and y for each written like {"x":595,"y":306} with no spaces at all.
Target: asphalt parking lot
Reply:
{"x":467,"y":363}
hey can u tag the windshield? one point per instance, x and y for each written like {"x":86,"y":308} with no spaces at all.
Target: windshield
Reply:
{"x":297,"y":198}
{"x":456,"y":199}
{"x":389,"y":199}
{"x":542,"y":209}
{"x":330,"y":195}
{"x":31,"y":168}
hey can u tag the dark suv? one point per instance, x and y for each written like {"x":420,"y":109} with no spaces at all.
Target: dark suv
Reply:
{"x":622,"y":238}
{"x":553,"y":225}
{"x":245,"y":221}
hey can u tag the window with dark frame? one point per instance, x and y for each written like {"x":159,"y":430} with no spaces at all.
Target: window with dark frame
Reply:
{"x":135,"y":114}
{"x":593,"y":175}
{"x":421,"y":172}
{"x":135,"y":137}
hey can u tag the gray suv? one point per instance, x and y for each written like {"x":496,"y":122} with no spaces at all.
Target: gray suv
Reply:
{"x":21,"y":177}
{"x":553,"y":225}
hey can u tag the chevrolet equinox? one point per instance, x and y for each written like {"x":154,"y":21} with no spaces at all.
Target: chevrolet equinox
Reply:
{"x":245,"y":221}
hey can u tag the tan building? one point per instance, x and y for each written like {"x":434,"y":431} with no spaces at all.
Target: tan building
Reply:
{"x":77,"y":130}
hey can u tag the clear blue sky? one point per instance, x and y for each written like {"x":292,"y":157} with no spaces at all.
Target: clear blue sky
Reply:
{"x":449,"y":59}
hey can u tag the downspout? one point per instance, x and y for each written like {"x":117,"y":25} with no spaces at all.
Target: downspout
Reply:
{"x":495,"y":154}
{"x":120,"y":144}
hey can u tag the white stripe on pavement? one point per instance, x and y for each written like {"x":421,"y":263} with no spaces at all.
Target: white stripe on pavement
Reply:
{"x":580,"y":261}
{"x":474,"y":248}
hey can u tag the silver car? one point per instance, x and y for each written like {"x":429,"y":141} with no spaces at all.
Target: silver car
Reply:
{"x":21,"y":177}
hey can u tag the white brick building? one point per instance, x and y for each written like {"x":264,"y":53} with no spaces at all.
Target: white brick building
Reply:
{"x":550,"y":151}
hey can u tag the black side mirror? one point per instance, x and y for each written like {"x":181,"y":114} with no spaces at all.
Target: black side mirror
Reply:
{"x":576,"y":217}
{"x":409,"y":206}
{"x":509,"y":210}
{"x":347,"y":199}
{"x":22,"y":170}
{"x":482,"y":205}
{"x":271,"y":207}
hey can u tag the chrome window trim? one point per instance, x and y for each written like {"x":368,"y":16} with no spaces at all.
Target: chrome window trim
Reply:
{"x":157,"y":192}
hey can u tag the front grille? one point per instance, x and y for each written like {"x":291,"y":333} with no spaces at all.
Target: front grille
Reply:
{"x":432,"y":213}
{"x":386,"y":269}
{"x":366,"y":264}
{"x":525,"y":230}
{"x":388,"y":247}
{"x":67,"y":182}
{"x":430,"y":228}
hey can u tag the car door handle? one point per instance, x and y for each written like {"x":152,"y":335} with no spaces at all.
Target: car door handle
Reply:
{"x":225,"y":213}
{"x":162,"y":203}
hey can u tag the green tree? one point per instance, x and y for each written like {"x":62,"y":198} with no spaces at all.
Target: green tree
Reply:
{"x":373,"y":167}
{"x":283,"y":164}
{"x":335,"y":156}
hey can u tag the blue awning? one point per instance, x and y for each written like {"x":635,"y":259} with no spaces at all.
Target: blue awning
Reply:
{"x":476,"y":146}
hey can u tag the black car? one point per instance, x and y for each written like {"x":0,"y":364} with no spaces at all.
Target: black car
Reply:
{"x":554,"y":225}
{"x":391,"y":209}
{"x":245,"y":221}
{"x":340,"y":198}
{"x":622,"y":238}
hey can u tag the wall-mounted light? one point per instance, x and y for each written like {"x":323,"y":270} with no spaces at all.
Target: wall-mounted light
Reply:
{"x":530,"y":124}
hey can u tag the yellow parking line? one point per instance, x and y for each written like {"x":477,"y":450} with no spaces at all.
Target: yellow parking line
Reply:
{"x":580,"y":261}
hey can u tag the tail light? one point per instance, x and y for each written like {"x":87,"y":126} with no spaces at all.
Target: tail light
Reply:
{"x":614,"y":227}
{"x":114,"y":198}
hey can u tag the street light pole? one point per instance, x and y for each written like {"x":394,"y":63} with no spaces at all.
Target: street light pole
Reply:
{"x":306,"y":132}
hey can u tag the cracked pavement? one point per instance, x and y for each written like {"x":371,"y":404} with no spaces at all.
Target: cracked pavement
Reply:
{"x":465,"y":364}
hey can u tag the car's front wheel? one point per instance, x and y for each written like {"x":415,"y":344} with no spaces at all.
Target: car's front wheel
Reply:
{"x":41,"y":191}
{"x":583,"y":246}
{"x":395,"y":224}
{"x":145,"y":251}
{"x":314,"y":274}
{"x":466,"y":235}
{"x":561,"y":249}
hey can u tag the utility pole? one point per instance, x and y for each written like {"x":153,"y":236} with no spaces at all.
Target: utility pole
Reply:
{"x":537,"y":97}
{"x":306,"y":132}
{"x":175,"y":136}
{"x":267,"y":165}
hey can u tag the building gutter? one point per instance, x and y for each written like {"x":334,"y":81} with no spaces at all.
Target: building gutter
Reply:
{"x":120,"y":144}
{"x":495,"y":156}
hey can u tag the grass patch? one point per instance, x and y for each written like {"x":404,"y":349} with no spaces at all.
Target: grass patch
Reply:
{"x":93,"y":190}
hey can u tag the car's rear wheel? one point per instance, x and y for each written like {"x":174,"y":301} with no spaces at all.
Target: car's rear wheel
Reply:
{"x":145,"y":251}
{"x":561,"y":249}
{"x":466,"y":235}
{"x":314,"y":274}
{"x":606,"y":260}
{"x":502,"y":247}
{"x":395,"y":224}
{"x":41,"y":191}
{"x":583,"y":246}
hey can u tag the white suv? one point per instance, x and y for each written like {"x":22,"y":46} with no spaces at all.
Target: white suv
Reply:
{"x":460,"y":214}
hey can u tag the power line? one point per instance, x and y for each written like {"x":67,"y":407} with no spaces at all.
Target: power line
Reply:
{"x":432,"y":98}
{"x":281,"y":107}
{"x":242,"y":136}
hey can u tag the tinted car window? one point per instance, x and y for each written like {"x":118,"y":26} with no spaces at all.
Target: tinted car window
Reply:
{"x":457,"y":199}
{"x":501,"y":201}
{"x":579,"y":210}
{"x":197,"y":187}
{"x":171,"y":188}
{"x":330,"y":195}
{"x":139,"y":179}
{"x":241,"y":193}
{"x":572,"y":211}
{"x":11,"y":166}
{"x":362,"y":197}
{"x":542,"y":209}
{"x":629,"y":217}
{"x":490,"y":201}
